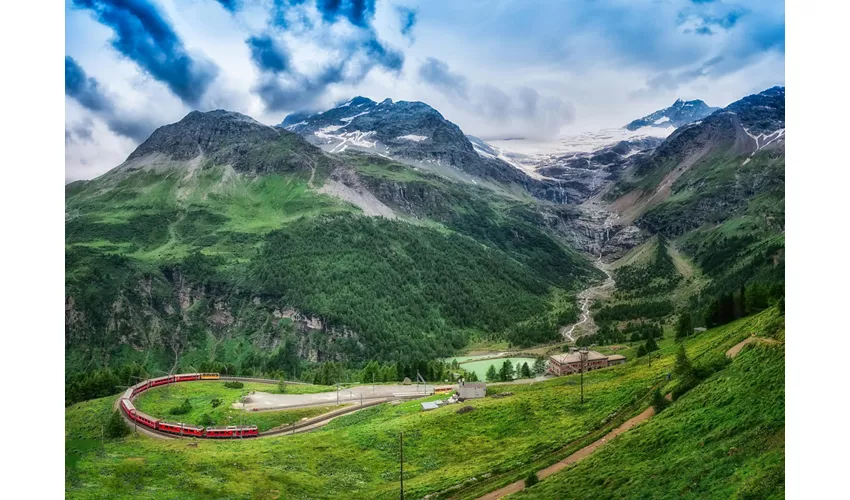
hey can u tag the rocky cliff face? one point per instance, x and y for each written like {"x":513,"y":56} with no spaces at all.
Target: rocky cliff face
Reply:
{"x":590,"y":229}
{"x":166,"y":313}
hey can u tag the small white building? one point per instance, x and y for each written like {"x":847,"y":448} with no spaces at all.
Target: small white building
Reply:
{"x":471,"y":390}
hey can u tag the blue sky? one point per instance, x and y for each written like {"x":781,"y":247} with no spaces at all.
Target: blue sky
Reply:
{"x":497,"y":68}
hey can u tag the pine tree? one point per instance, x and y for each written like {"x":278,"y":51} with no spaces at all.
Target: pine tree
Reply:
{"x":651,"y":345}
{"x":641,"y":351}
{"x":491,"y":374}
{"x":525,"y":371}
{"x":116,"y":427}
{"x":659,"y":402}
{"x":539,"y":366}
{"x":281,"y":386}
{"x":683,"y":367}
{"x":507,"y":372}
{"x":684,"y":327}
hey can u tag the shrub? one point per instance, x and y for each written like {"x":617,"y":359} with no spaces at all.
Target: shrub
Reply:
{"x":205,"y":420}
{"x":234,"y":385}
{"x":184,"y":408}
{"x":215,"y":402}
{"x":116,"y":427}
{"x":684,"y":386}
{"x":531,"y":480}
{"x":659,"y":402}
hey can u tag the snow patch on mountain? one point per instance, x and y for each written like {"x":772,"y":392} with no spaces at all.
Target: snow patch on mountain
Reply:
{"x":412,"y":137}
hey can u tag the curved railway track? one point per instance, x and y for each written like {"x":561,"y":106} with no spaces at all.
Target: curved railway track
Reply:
{"x":295,"y":428}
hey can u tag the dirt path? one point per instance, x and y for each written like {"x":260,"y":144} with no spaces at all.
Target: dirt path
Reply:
{"x":736,"y":349}
{"x":575,"y":457}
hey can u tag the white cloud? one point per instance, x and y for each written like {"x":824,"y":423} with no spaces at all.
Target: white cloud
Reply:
{"x":599,"y":57}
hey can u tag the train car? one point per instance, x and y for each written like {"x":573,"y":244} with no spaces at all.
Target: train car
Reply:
{"x":128,"y":407}
{"x":145,"y":419}
{"x":186,"y":377}
{"x":162,"y":380}
{"x":141,"y":387}
{"x":231,"y":432}
{"x":128,"y":393}
{"x":181,"y":429}
{"x":209,"y":376}
{"x":250,"y":431}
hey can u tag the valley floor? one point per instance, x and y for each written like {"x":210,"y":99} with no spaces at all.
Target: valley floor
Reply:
{"x":466,"y":455}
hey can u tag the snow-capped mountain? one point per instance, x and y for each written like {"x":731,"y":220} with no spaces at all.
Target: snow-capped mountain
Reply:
{"x":415,"y":133}
{"x":680,"y":113}
{"x":409,"y":130}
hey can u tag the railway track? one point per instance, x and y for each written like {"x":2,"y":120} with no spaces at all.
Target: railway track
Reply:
{"x":296,"y":428}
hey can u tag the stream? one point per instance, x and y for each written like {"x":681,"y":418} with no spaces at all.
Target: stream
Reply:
{"x":588,"y":295}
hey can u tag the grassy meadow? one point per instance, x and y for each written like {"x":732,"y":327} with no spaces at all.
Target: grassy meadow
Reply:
{"x":201,"y":395}
{"x":356,"y":456}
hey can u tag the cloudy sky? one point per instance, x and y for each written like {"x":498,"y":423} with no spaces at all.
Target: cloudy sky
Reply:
{"x":497,"y":68}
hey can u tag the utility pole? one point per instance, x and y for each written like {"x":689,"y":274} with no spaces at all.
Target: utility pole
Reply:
{"x":401,"y":476}
{"x":582,"y":356}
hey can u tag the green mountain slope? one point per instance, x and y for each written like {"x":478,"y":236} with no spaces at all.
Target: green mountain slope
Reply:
{"x":219,"y":240}
{"x":715,"y":190}
{"x":723,"y":439}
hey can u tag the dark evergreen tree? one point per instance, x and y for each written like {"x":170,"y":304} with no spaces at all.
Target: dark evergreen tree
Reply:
{"x":116,"y":427}
{"x":685,"y":326}
{"x":507,"y":372}
{"x":650,"y":345}
{"x":659,"y":402}
{"x":539,"y":366}
{"x":683,"y":368}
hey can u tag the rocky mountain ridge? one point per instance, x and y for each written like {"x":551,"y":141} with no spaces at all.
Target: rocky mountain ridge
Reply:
{"x":678,"y":114}
{"x":416,"y":134}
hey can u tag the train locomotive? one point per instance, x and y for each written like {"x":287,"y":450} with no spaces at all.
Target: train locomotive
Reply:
{"x":179,"y":428}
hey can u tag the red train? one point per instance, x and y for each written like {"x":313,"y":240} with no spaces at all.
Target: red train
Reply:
{"x":180,"y":429}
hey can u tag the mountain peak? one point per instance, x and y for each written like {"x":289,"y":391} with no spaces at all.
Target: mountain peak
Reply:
{"x":218,"y":114}
{"x":357,"y":101}
{"x":680,"y":113}
{"x":204,"y":132}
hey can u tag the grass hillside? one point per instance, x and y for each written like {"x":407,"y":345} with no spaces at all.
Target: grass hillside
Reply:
{"x":356,"y":456}
{"x":723,"y":439}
